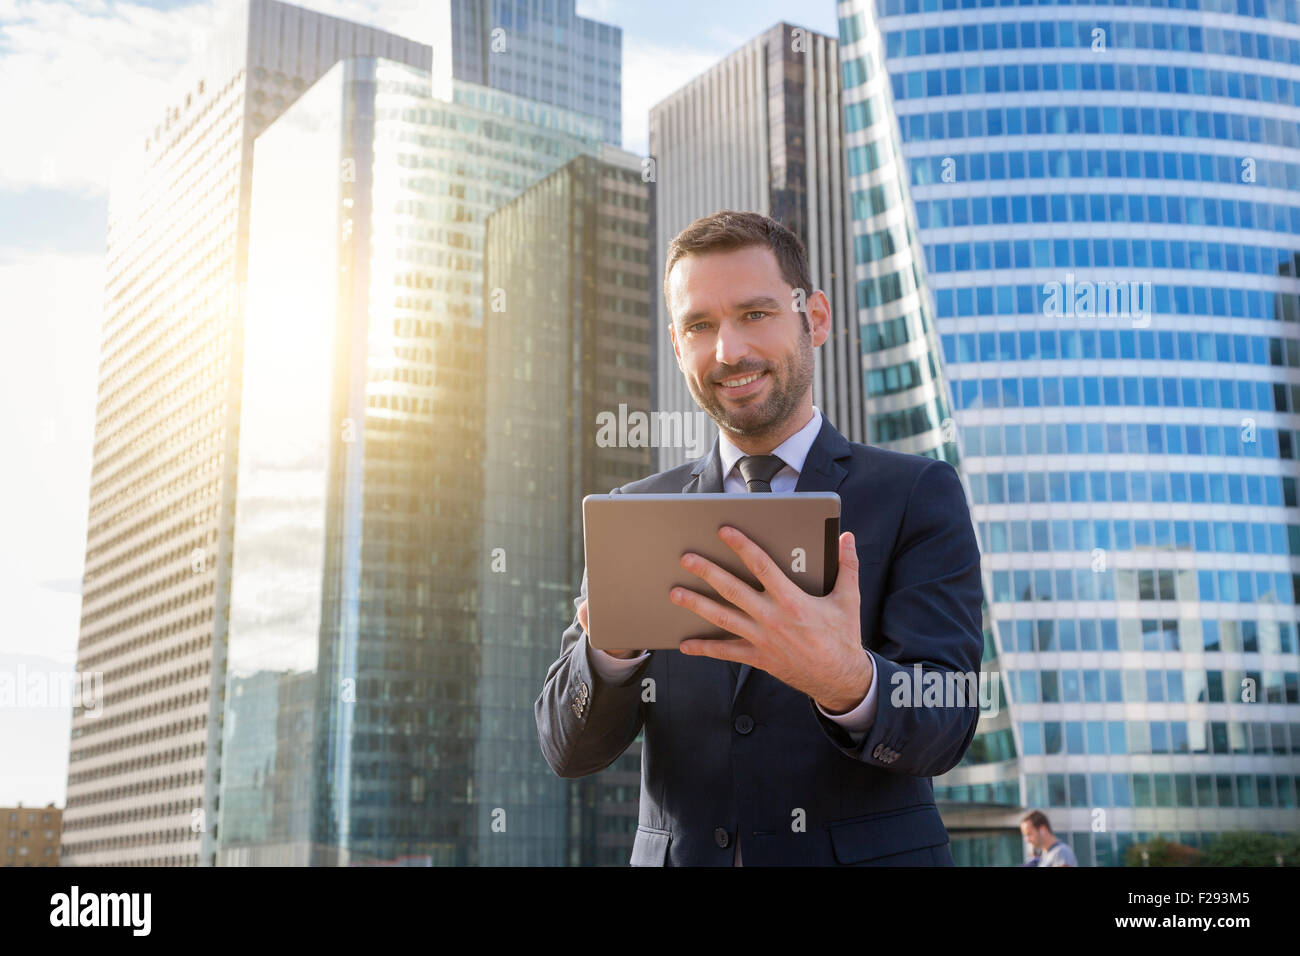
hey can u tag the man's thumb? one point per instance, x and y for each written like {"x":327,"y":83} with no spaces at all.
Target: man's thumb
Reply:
{"x":847,"y":576}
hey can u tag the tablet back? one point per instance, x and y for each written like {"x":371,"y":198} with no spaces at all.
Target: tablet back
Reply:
{"x":634,"y":545}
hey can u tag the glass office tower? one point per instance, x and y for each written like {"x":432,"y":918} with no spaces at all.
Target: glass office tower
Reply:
{"x":142,"y":777}
{"x":568,"y":340}
{"x":355,"y":665}
{"x":908,"y":394}
{"x":542,"y":50}
{"x":1109,"y":198}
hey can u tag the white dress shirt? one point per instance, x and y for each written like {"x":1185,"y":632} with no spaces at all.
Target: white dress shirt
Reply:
{"x":793,"y":451}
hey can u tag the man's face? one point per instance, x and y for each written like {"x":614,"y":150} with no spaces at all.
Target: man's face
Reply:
{"x":1033,"y":835}
{"x":745,"y":352}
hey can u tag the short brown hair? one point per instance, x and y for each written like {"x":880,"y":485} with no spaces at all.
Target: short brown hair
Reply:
{"x":1037,"y":819}
{"x":727,"y":230}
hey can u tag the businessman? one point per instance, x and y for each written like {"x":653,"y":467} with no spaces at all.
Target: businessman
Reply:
{"x":801,"y":741}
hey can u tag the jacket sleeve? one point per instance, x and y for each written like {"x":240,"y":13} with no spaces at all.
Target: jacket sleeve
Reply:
{"x":931,"y":628}
{"x":584,"y":722}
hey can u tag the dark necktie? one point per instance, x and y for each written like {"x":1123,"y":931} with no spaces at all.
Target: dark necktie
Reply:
{"x":758,"y":472}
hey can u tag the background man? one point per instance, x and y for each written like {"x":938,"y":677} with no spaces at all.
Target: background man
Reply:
{"x":1038,"y":833}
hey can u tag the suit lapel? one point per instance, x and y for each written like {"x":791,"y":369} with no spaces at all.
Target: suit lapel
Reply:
{"x":706,"y":476}
{"x":823,"y":470}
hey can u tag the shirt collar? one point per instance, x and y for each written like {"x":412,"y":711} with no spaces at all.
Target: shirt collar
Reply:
{"x":793,"y":451}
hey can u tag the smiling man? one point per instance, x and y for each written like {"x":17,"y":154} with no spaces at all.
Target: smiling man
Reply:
{"x":784,"y":746}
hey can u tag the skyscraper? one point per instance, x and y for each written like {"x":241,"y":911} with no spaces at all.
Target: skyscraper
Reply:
{"x":358,"y":586}
{"x":567,"y":329}
{"x":542,"y":50}
{"x":909,"y":396}
{"x":141,"y":780}
{"x":1108,"y":201}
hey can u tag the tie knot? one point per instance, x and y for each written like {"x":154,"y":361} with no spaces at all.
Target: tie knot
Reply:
{"x":759,"y":470}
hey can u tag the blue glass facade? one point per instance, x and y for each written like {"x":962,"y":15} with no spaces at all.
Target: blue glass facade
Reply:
{"x":909,"y":402}
{"x":1132,"y":470}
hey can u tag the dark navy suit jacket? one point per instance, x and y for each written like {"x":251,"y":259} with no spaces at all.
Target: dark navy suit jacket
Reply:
{"x":761,"y":762}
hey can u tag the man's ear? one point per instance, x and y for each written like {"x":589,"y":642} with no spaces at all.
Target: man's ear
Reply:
{"x":819,"y":317}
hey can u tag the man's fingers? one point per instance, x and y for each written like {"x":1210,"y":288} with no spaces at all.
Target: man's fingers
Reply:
{"x":720,"y":649}
{"x":760,"y":564}
{"x":582,"y":617}
{"x":727,"y":618}
{"x":728,"y":586}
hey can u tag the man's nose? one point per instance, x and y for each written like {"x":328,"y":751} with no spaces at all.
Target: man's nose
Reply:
{"x":732,"y":345}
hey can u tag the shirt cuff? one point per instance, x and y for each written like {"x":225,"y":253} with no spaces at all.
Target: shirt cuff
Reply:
{"x":857,"y":722}
{"x":611,"y":669}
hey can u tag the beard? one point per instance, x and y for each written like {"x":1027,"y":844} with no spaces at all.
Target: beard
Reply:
{"x":788,"y":383}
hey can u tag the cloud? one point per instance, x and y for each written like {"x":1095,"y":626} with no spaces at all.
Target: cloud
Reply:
{"x":652,"y":72}
{"x":97,"y":76}
{"x":51,"y":332}
{"x":94,"y":76}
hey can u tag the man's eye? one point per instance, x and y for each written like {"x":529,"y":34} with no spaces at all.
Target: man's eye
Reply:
{"x":697,"y":326}
{"x":759,"y":314}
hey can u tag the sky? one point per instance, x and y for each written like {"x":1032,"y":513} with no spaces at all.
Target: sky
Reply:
{"x":78,"y":81}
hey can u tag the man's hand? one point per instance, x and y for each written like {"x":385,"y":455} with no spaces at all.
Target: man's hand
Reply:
{"x":813,"y":644}
{"x":586,"y":628}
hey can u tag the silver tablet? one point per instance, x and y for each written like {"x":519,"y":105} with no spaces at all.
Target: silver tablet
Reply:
{"x":634,"y":545}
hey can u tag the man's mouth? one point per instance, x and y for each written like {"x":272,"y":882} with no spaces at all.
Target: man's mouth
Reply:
{"x":739,"y":383}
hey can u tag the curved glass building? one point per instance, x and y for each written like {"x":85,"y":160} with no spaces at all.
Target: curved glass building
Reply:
{"x":909,"y":401}
{"x":1109,"y":202}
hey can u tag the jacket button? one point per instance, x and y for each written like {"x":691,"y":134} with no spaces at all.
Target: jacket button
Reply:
{"x":744,"y":724}
{"x":721,"y":837}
